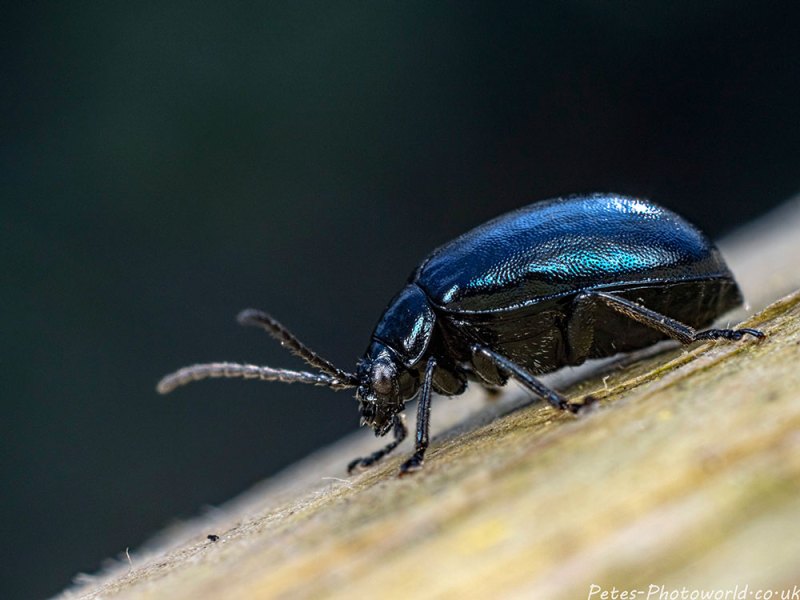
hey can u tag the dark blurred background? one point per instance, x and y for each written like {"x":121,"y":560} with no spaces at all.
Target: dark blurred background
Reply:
{"x":164,"y":165}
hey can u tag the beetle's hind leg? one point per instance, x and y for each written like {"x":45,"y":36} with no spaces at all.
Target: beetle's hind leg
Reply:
{"x":663,"y":324}
{"x":400,"y":432}
{"x":555,"y":399}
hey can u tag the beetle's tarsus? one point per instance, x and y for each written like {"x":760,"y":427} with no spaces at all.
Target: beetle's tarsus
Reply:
{"x":756,"y":333}
{"x":400,"y":433}
{"x":729,"y":334}
{"x":361,"y":464}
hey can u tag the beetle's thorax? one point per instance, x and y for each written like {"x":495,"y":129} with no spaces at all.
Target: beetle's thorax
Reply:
{"x":406,"y":326}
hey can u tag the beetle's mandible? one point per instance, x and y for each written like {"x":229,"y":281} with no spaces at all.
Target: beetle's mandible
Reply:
{"x":548,"y":285}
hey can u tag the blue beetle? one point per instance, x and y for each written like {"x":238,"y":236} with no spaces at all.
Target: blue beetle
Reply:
{"x":548,"y":285}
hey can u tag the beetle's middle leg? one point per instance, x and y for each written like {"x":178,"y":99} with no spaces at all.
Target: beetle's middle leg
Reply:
{"x":532,"y":383}
{"x":663,"y":324}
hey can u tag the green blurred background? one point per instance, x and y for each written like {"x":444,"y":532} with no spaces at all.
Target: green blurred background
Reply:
{"x":164,"y":165}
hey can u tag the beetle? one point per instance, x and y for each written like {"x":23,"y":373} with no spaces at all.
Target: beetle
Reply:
{"x":549,"y":285}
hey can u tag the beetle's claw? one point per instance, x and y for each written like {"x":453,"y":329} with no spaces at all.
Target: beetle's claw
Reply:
{"x":358,"y":465}
{"x":580,"y":408}
{"x":756,"y":333}
{"x":589,"y":404}
{"x":412,"y":465}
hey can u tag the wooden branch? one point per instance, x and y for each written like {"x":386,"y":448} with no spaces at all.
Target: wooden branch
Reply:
{"x":687,"y":475}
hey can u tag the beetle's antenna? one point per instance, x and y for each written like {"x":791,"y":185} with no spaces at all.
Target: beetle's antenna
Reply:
{"x":257,"y":318}
{"x":236,"y":370}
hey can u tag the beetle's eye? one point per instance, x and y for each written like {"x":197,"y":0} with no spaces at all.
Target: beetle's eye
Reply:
{"x":382,"y":378}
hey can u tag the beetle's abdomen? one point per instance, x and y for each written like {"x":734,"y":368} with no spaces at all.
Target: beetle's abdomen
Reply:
{"x":558,"y":247}
{"x":534,"y":336}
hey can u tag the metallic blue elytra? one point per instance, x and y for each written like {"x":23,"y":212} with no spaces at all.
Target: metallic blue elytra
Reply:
{"x":546,"y":286}
{"x":559,"y":246}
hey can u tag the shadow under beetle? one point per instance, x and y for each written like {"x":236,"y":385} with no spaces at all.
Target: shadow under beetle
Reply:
{"x":548,"y":285}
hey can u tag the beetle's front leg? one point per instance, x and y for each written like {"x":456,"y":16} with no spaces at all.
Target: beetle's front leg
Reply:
{"x":400,"y":432}
{"x":423,"y":422}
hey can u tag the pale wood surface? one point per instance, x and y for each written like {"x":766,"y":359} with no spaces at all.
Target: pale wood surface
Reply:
{"x":688,"y":474}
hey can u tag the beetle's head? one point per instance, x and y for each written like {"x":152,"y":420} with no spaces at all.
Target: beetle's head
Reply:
{"x":379,"y":393}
